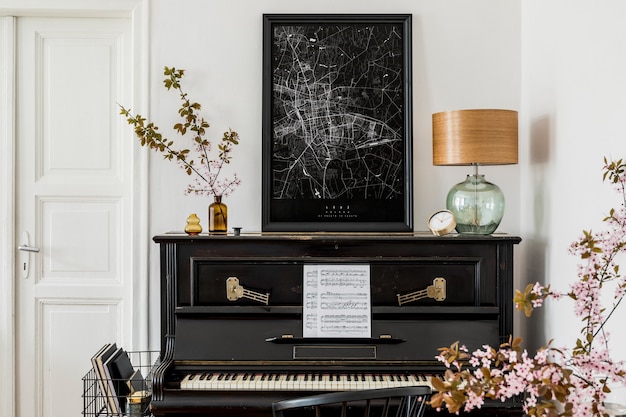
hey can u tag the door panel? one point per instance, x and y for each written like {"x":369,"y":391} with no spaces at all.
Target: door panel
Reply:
{"x":61,"y":391}
{"x":75,"y":190}
{"x":67,"y":231}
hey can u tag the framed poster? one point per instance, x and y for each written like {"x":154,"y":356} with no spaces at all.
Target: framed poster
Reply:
{"x":337,"y":127}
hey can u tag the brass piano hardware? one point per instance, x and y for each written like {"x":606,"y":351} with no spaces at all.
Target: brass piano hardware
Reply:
{"x":436,"y":291}
{"x":234,"y":292}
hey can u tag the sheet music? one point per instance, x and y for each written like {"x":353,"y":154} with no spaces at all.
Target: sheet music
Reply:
{"x":336,"y":301}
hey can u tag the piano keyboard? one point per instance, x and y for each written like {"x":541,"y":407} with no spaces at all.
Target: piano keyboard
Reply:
{"x":224,"y":381}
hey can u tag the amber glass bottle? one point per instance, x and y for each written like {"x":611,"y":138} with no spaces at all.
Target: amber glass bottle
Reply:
{"x":218,"y":217}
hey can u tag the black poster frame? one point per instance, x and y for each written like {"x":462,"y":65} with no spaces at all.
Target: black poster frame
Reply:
{"x":337,"y":123}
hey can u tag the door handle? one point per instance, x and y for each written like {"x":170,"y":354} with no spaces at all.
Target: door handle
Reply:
{"x":25,"y":251}
{"x":27,"y":248}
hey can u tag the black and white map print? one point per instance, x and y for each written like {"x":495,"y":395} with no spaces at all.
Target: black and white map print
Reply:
{"x":338,"y":128}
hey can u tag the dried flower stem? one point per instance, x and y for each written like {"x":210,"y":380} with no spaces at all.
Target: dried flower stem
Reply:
{"x":207,"y":171}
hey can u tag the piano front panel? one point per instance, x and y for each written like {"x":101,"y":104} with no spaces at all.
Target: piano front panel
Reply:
{"x":282,"y":278}
{"x":253,"y":251}
{"x":205,"y":330}
{"x":243,"y":338}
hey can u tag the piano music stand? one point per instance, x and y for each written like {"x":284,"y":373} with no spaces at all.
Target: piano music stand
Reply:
{"x":386,"y":402}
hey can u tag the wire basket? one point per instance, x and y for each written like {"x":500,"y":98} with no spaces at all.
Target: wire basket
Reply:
{"x":98,"y":400}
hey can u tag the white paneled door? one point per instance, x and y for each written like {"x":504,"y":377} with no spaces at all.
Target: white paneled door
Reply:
{"x":74,"y":278}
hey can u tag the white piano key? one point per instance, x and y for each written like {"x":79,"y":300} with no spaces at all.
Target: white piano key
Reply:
{"x":184,"y":384}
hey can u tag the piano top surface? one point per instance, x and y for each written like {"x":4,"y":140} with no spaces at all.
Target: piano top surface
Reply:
{"x":179,"y":236}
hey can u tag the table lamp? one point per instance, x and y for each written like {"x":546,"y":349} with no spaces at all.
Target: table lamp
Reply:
{"x":475,"y":137}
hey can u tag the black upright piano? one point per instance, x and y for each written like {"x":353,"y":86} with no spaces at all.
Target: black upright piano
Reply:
{"x":232,"y":316}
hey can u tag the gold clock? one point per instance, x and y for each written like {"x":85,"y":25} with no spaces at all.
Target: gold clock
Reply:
{"x":441,"y":222}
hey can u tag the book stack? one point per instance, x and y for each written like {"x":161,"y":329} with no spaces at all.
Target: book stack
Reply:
{"x":116,"y":377}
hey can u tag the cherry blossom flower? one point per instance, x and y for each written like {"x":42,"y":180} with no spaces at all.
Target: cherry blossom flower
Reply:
{"x":561,"y":381}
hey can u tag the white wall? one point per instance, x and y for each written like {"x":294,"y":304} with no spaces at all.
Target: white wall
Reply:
{"x":459,"y":62}
{"x":465,"y":55}
{"x":574,"y":107}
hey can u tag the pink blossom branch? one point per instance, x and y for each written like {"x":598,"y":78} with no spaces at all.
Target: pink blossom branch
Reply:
{"x":556,"y":382}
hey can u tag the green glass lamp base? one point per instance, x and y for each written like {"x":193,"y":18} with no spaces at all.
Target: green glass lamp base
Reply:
{"x":477,"y":205}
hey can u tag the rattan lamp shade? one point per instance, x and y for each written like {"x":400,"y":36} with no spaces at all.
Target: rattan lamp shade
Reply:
{"x":479,"y":137}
